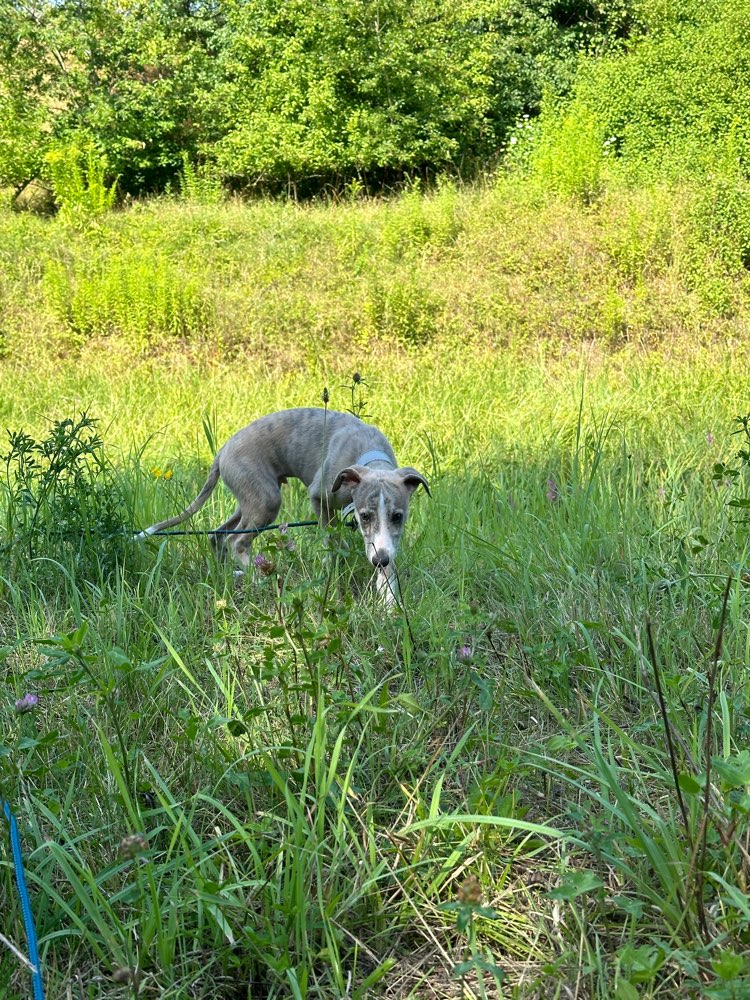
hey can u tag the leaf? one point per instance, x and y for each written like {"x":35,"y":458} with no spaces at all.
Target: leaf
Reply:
{"x":575,"y":884}
{"x":28,"y":743}
{"x":625,"y":991}
{"x":642,"y":963}
{"x":633,"y":907}
{"x":477,"y":962}
{"x":734,"y":770}
{"x":375,"y":976}
{"x":729,"y":965}
{"x":118,"y":657}
{"x":409,"y":702}
{"x":688,"y":784}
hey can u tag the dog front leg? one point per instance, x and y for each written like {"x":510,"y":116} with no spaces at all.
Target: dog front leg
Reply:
{"x":386,"y":585}
{"x":324,"y":510}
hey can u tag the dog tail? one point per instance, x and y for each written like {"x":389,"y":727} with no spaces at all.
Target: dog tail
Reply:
{"x":208,"y":487}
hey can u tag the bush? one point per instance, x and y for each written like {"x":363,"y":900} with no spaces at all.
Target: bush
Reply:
{"x":62,"y":498}
{"x":141,"y":296}
{"x":281,"y":92}
{"x":569,"y":156}
{"x":680,"y":91}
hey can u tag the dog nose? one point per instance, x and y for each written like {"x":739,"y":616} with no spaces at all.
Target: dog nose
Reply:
{"x":381,"y":559}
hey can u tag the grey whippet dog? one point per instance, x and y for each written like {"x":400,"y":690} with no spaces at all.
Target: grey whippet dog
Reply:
{"x":343,"y":462}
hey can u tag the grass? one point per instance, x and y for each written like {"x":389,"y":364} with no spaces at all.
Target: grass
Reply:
{"x":499,"y":264}
{"x":271,"y":789}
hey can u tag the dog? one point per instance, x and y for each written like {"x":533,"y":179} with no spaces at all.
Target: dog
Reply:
{"x":343,"y":462}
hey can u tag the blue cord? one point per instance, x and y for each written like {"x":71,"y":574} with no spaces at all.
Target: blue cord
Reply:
{"x":23,"y":892}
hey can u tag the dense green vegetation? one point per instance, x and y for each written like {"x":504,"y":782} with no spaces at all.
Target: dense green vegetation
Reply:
{"x":498,"y":264}
{"x":269,"y":91}
{"x":318,"y":784}
{"x":532,"y":779}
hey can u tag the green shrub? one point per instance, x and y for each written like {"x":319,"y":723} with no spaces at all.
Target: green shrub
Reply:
{"x":417,"y":222}
{"x":678,"y":91}
{"x":354,"y":88}
{"x":639,"y":236}
{"x":22,"y":139}
{"x":200,"y":183}
{"x":721,"y":222}
{"x":569,"y":157}
{"x":61,"y":497}
{"x":404,"y":309}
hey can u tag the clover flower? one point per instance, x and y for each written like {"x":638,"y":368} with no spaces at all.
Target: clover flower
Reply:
{"x":27,"y":704}
{"x":133,"y":844}
{"x":263,"y":564}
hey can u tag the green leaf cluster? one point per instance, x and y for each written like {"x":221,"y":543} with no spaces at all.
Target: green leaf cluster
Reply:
{"x":677,"y":99}
{"x":280,"y":91}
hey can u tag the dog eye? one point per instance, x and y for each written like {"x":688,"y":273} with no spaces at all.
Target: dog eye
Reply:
{"x":397,"y":517}
{"x":364,"y":516}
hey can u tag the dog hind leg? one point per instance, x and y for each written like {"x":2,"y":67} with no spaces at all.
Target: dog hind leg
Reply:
{"x":220,"y":542}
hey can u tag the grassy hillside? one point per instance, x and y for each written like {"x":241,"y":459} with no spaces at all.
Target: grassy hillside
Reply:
{"x":496,"y":265}
{"x":327,"y":794}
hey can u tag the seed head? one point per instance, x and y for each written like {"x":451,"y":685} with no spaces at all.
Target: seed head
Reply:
{"x":470,"y":891}
{"x":326,"y":396}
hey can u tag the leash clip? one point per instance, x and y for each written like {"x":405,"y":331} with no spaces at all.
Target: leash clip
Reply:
{"x":349,"y":515}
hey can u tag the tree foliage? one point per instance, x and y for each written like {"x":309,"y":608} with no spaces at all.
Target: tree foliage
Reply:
{"x":273,"y":90}
{"x":679,"y":100}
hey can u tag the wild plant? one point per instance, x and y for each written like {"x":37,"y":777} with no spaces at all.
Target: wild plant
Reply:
{"x":200,"y":184}
{"x":735,"y":474}
{"x":63,"y":499}
{"x":79,"y":184}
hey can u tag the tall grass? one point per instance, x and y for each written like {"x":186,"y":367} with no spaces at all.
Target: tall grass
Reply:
{"x":504,"y":263}
{"x":269,"y":789}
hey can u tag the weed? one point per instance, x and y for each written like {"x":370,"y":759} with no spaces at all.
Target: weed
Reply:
{"x":62,"y":499}
{"x":80,"y":191}
{"x":199,"y":184}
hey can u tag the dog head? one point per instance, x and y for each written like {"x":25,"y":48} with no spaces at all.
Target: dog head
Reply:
{"x":381,"y":504}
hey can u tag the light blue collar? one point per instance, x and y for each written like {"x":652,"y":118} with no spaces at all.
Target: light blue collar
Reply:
{"x":374,"y":456}
{"x":366,"y":459}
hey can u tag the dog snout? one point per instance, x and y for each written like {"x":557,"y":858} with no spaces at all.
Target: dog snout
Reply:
{"x":380,"y":558}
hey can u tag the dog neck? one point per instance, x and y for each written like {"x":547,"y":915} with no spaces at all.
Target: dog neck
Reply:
{"x":374,"y":456}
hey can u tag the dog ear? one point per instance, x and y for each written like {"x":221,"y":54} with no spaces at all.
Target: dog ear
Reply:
{"x":350,"y":477}
{"x":413,"y":479}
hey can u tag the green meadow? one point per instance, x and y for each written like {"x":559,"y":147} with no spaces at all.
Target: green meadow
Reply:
{"x":270,"y":787}
{"x":514,"y":236}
